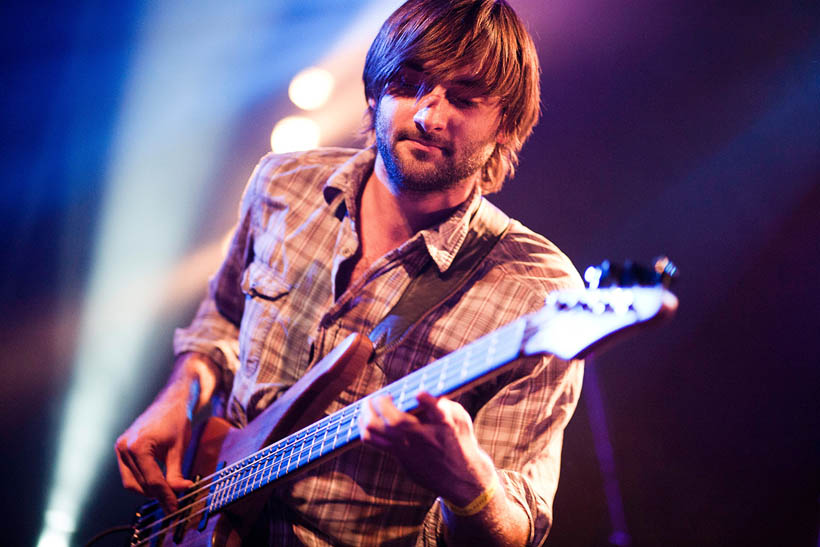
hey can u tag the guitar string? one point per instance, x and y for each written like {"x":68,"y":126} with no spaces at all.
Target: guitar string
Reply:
{"x":449,"y":366}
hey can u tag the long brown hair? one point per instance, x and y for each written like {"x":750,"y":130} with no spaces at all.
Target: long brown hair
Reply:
{"x":444,"y":37}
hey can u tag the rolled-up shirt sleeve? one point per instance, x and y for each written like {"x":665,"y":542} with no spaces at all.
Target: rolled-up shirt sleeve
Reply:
{"x":521,"y":428}
{"x":519,"y":417}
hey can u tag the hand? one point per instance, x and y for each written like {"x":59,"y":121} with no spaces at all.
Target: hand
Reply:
{"x":158,"y":435}
{"x":437,"y":446}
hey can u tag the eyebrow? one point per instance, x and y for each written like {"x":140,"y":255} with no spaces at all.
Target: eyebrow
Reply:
{"x":468,"y":81}
{"x":473,"y":85}
{"x":464,"y":81}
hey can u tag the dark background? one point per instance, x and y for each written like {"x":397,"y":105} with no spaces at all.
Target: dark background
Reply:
{"x":684,"y":128}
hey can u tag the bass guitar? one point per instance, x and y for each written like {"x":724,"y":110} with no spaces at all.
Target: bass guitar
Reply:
{"x":235,"y":469}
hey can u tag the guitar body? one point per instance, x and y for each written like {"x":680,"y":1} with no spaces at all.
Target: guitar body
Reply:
{"x":219,"y":443}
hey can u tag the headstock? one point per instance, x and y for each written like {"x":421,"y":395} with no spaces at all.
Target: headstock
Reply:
{"x":619,"y":299}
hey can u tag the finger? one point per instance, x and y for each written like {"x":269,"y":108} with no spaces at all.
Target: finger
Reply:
{"x":369,"y":420}
{"x":384,"y":408}
{"x":129,"y":481}
{"x":173,"y":470}
{"x":377,"y":439}
{"x":432,"y":407}
{"x":155,"y":484}
{"x":392,"y":416}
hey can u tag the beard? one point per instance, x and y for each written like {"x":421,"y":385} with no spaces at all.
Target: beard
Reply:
{"x":424,"y":171}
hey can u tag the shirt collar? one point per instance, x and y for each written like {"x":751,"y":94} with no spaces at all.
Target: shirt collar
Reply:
{"x":442,"y":240}
{"x":348,"y":181}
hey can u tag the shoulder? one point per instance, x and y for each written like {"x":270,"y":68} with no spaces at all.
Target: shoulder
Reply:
{"x":275,"y":172}
{"x":524,"y":257}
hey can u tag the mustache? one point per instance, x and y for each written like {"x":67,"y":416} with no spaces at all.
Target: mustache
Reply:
{"x":424,"y":138}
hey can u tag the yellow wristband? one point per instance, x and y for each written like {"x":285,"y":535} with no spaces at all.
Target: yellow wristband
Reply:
{"x":474,"y":506}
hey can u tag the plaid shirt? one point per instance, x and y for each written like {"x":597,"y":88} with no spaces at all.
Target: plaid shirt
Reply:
{"x":271,"y":310}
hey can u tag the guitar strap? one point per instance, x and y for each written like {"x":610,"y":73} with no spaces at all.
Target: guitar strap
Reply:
{"x":431,"y":288}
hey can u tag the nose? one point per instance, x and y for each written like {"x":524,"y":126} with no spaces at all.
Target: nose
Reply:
{"x":431,"y":113}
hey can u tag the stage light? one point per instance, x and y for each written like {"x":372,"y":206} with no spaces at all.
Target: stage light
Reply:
{"x":311,"y":88}
{"x":180,"y":107}
{"x":294,"y":133}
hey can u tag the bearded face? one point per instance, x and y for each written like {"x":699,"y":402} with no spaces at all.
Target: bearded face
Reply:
{"x":436,"y":142}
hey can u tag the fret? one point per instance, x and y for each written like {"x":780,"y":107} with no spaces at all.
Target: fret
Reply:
{"x":280,"y":457}
{"x":264,"y":467}
{"x":249,"y":486}
{"x":316,"y":446}
{"x":221,"y":491}
{"x":216,"y":494}
{"x":286,"y":455}
{"x":245,"y":476}
{"x":252,"y":474}
{"x":232,"y":481}
{"x":283,"y":454}
{"x":271,"y":464}
{"x":225,"y":496}
{"x":224,"y":481}
{"x":246,"y":473}
{"x":239,"y":475}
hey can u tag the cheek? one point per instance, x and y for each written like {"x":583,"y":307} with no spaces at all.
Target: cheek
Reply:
{"x":386,"y":112}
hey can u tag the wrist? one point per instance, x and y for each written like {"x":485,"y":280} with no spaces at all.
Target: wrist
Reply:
{"x":477,"y":477}
{"x":476,"y":504}
{"x":196,"y":375}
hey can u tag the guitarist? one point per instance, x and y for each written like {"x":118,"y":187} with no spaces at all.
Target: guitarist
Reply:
{"x":326,"y":243}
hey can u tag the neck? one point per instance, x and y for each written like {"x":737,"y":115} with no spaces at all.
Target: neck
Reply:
{"x":395,"y":213}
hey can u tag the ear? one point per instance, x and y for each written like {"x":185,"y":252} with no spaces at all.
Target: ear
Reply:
{"x":502,"y":136}
{"x":371,"y":103}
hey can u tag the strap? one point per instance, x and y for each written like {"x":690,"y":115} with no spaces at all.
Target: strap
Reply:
{"x":430,"y":288}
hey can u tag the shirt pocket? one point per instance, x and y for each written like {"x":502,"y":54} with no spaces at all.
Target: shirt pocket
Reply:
{"x":260,"y":281}
{"x":264,"y":327}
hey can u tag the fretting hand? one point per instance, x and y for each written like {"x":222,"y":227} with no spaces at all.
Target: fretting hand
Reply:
{"x":437,"y":446}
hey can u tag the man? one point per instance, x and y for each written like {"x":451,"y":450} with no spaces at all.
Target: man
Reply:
{"x":326,"y":244}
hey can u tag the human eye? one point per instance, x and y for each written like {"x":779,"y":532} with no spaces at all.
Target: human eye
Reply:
{"x":405,"y":85}
{"x":460,"y":100}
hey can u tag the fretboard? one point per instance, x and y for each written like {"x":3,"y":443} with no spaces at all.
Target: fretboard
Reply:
{"x":448,"y":375}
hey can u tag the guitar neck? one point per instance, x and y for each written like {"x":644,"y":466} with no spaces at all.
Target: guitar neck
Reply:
{"x":475,"y":363}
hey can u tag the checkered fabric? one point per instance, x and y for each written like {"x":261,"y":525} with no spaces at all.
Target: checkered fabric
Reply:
{"x":272,"y":309}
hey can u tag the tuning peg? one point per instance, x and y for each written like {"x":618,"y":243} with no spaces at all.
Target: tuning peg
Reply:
{"x":630,"y":274}
{"x":594,"y":274}
{"x":666,"y":270}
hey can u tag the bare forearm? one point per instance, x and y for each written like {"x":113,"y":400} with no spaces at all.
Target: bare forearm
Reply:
{"x":195,"y":378}
{"x":160,"y":434}
{"x":500,"y":521}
